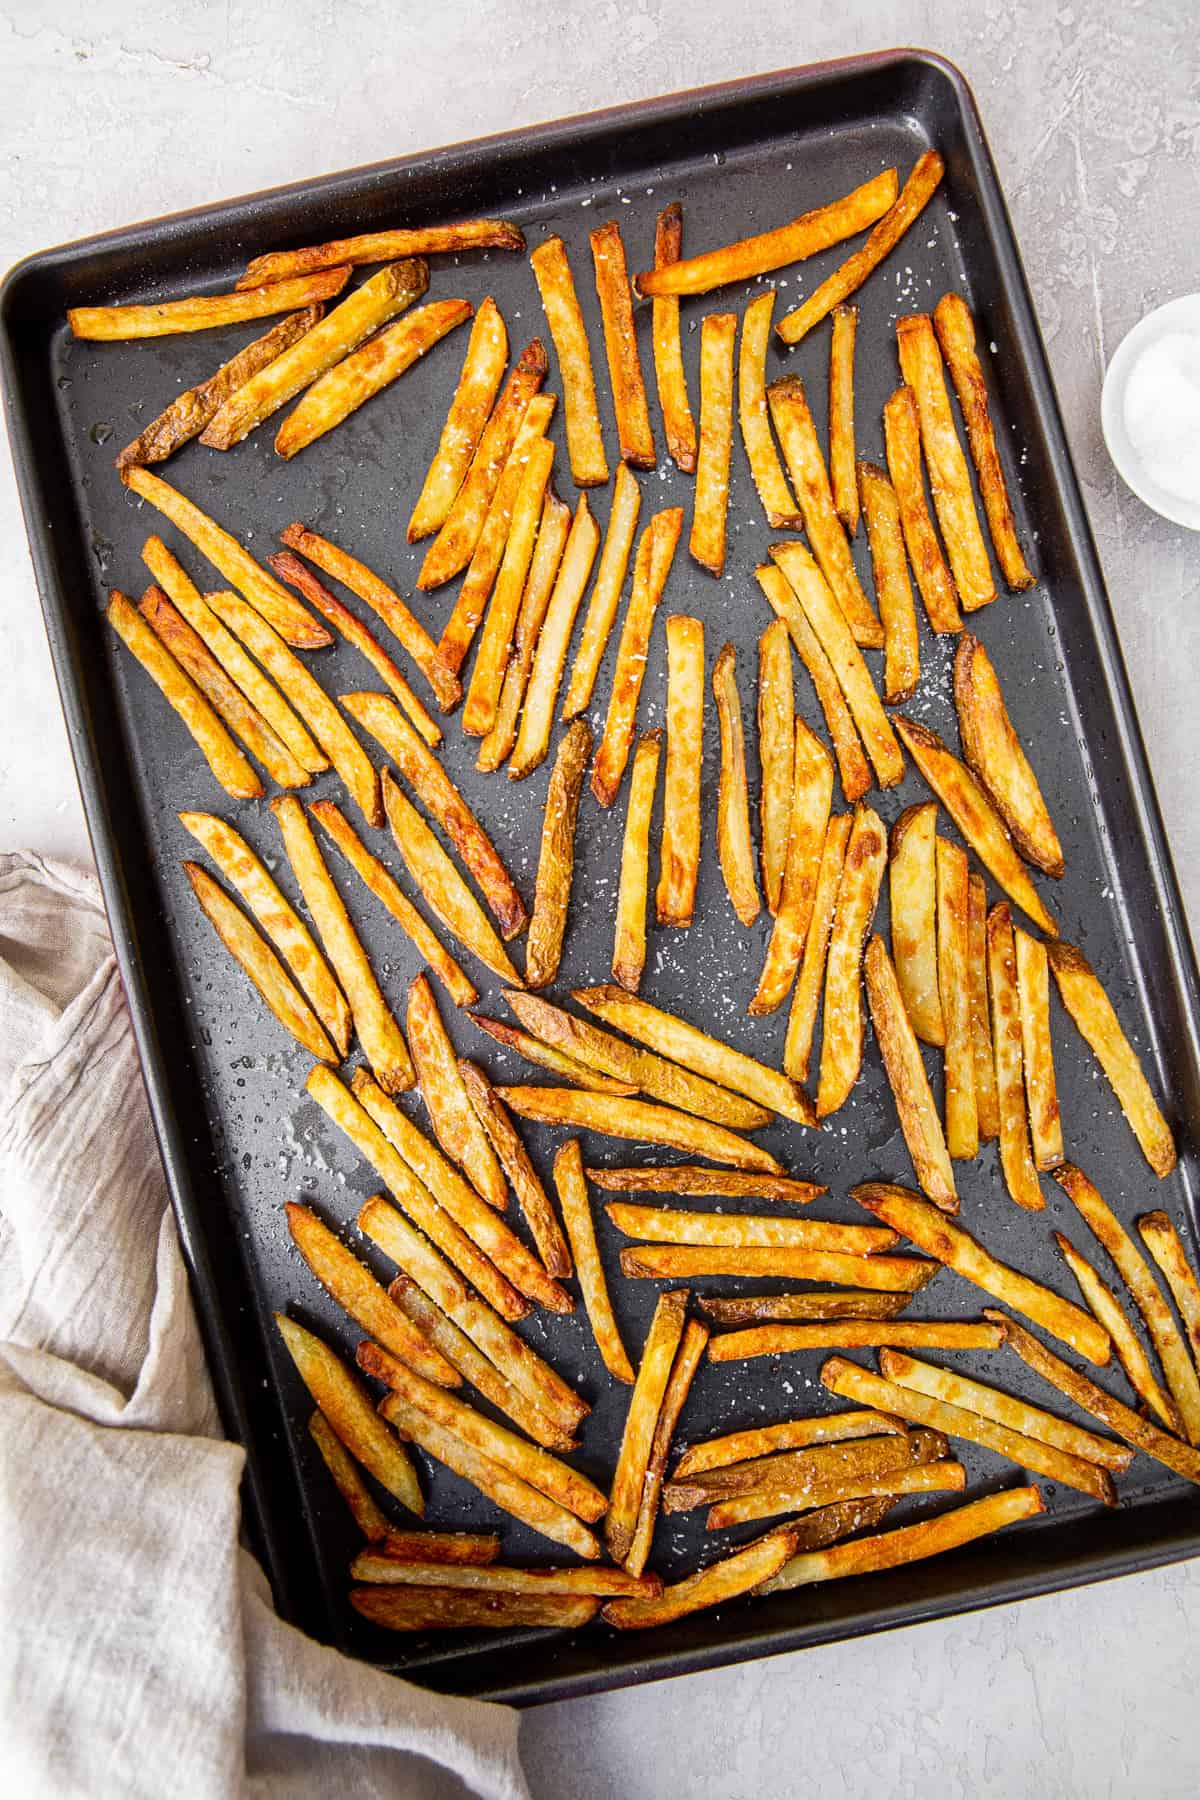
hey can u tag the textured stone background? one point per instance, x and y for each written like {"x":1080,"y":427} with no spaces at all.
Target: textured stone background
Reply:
{"x":117,"y":111}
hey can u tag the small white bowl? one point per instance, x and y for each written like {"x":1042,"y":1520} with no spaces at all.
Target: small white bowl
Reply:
{"x":1181,"y":315}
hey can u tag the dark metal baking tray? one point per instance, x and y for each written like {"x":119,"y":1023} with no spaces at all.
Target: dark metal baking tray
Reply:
{"x":237,"y":1137}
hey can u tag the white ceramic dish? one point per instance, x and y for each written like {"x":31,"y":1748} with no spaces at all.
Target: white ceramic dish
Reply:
{"x":1181,"y":315}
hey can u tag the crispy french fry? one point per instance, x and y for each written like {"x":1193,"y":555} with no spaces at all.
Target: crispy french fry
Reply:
{"x":828,"y":1524}
{"x":482,"y":370}
{"x":652,"y":565}
{"x":854,"y":1334}
{"x":853,"y":767}
{"x":556,"y":285}
{"x":828,"y":623}
{"x":993,"y":751}
{"x":737,"y":1574}
{"x":812,"y":1471}
{"x":687,"y":1262}
{"x":163,"y":318}
{"x":902,"y":442}
{"x":734,"y":845}
{"x":893,"y":590}
{"x":378,"y":1566}
{"x":683,"y":1370}
{"x":1041,"y":1090}
{"x":679,"y":854}
{"x":495,"y":644}
{"x":949,"y":480}
{"x":639,"y":1122}
{"x":1163,"y":1242}
{"x":384,"y":246}
{"x":259,"y":964}
{"x":776,"y":752}
{"x":450,"y":1111}
{"x":532,"y":1198}
{"x":744,"y":1447}
{"x":901,"y":1054}
{"x":645,"y":1404}
{"x":1127,"y":1347}
{"x":954,"y":985}
{"x":606,"y":593}
{"x":756,"y":1309}
{"x":668,"y":1225}
{"x":940,"y":1476}
{"x":718,"y":334}
{"x":548,"y":1056}
{"x":443,"y":1609}
{"x":675,"y":1039}
{"x":982,"y":1056}
{"x":1016,"y":1159}
{"x":1085,"y":999}
{"x":858,"y":896}
{"x":556,"y":860}
{"x":685,"y":1178}
{"x":629,"y":939}
{"x":806,"y":996}
{"x":956,"y":334}
{"x":902,"y":210}
{"x":939,"y":1237}
{"x":678,"y":423}
{"x":976,"y":818}
{"x":799,"y":238}
{"x":367,"y":1515}
{"x":912,"y":872}
{"x":812,"y":795}
{"x":539,"y":586}
{"x":782,"y":512}
{"x":550,"y":650}
{"x":350,"y":1414}
{"x":571,"y":1186}
{"x":620,"y":345}
{"x":841,"y":420}
{"x":470,"y":1549}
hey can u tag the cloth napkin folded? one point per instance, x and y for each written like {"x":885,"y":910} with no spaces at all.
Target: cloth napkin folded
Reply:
{"x":139,"y":1652}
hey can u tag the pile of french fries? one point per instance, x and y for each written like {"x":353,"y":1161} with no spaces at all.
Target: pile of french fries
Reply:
{"x":441,"y":1371}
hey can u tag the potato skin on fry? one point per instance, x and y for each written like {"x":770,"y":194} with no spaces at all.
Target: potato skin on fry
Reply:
{"x":906,"y":1073}
{"x":668,"y":358}
{"x":385,"y":246}
{"x":858,"y":896}
{"x":556,"y":864}
{"x":620,"y":344}
{"x":993,"y":751}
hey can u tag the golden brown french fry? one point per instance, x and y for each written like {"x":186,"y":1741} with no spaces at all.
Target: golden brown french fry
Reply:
{"x":683,"y":1370}
{"x":500,"y":1578}
{"x":629,"y":940}
{"x":893,"y":590}
{"x":450,"y":1111}
{"x":539,"y":585}
{"x":550,"y":651}
{"x":806,"y":466}
{"x":754,"y":1309}
{"x":556,"y":285}
{"x":854,"y":1334}
{"x":853,"y":767}
{"x":259,"y":964}
{"x":367,"y":1515}
{"x":782,"y":512}
{"x":532,"y":1198}
{"x":606,"y":593}
{"x":686,"y":1178}
{"x":790,"y":1434}
{"x":993,"y":751}
{"x":909,"y":1543}
{"x":639,"y":1122}
{"x":901,"y":1054}
{"x":482,"y":370}
{"x":939,"y":1237}
{"x":687,"y":1262}
{"x":556,"y":859}
{"x":679,"y":854}
{"x":902,"y":442}
{"x":163,"y":318}
{"x":652,"y":565}
{"x":734,"y":846}
{"x":571,"y":1186}
{"x":982,"y":1056}
{"x":1041,"y":1090}
{"x":620,"y":345}
{"x":956,"y":334}
{"x":354,"y":380}
{"x":800,"y":237}
{"x":841,"y":420}
{"x":806,"y":996}
{"x":645,"y":1404}
{"x":912,"y":874}
{"x":828,"y":623}
{"x":858,"y":896}
{"x":378,"y":1033}
{"x":976,"y":818}
{"x":725,"y":1580}
{"x":670,"y":1225}
{"x":811,"y":1472}
{"x":339,"y":333}
{"x":829,"y":1524}
{"x":902,"y":210}
{"x":1127,"y":1347}
{"x":1163,"y":1242}
{"x":495,"y":644}
{"x":954,"y":985}
{"x":384,"y":246}
{"x":949,"y":479}
{"x":776,"y":751}
{"x":442,"y":1609}
{"x":812,"y":795}
{"x":675,"y":1039}
{"x":718,"y":334}
{"x":668,"y":357}
{"x":1085,"y":999}
{"x":471,"y":1549}
{"x":548,"y":1056}
{"x":349,"y":1411}
{"x":189,"y":412}
{"x":1016,"y":1159}
{"x":941,"y":1476}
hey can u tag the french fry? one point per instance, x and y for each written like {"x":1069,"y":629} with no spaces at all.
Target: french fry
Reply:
{"x":776,"y":753}
{"x":675,"y":1039}
{"x":687,"y":1262}
{"x":956,"y":334}
{"x":365,"y":1512}
{"x":450,"y":1111}
{"x":745,"y":1447}
{"x":502,"y":1578}
{"x":1127,"y":1347}
{"x":754,"y":1309}
{"x":495,"y":644}
{"x":629,"y":938}
{"x":678,"y":423}
{"x":423,"y":771}
{"x":189,"y":412}
{"x":556,"y":859}
{"x":1163,"y":1242}
{"x":901,"y":1054}
{"x":941,"y":1476}
{"x":812,"y":1471}
{"x":384,"y":246}
{"x":725,"y":1580}
{"x":548,"y":1056}
{"x":259,"y":964}
{"x":645,"y":1404}
{"x":573,"y":1198}
{"x":842,"y":478}
{"x":639,"y":1122}
{"x":679,"y":853}
{"x":954,"y":985}
{"x":550,"y":650}
{"x":828,"y":1524}
{"x":853,"y":768}
{"x":939,"y":1237}
{"x":354,"y":380}
{"x":442,"y":1609}
{"x":539,"y":585}
{"x":812,"y":794}
{"x":556,"y":285}
{"x":469,"y":1549}
{"x":902,"y":442}
{"x":620,"y":345}
{"x":893,"y":590}
{"x":782,"y":512}
{"x":685,"y":1178}
{"x":532,"y":1198}
{"x":164,"y":318}
{"x":806,"y":996}
{"x":909,"y":1543}
{"x":1147,"y":1296}
{"x":853,"y":1334}
{"x":652,"y":565}
{"x":1041,"y":1090}
{"x":482,"y":371}
{"x":338,"y":334}
{"x":858,"y":896}
{"x":279,"y":920}
{"x":718,"y":333}
{"x":949,"y":479}
{"x":912,"y":873}
{"x":460,"y":530}
{"x":976,"y":818}
{"x":1016,"y":1159}
{"x":902,"y":210}
{"x":669,"y":1225}
{"x":825,"y":617}
{"x":982,"y":1056}
{"x":606,"y":593}
{"x":683,"y":1370}
{"x":350,"y":1414}
{"x":993,"y":751}
{"x":734,"y":846}
{"x":850,"y":1382}
{"x":799,"y":238}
